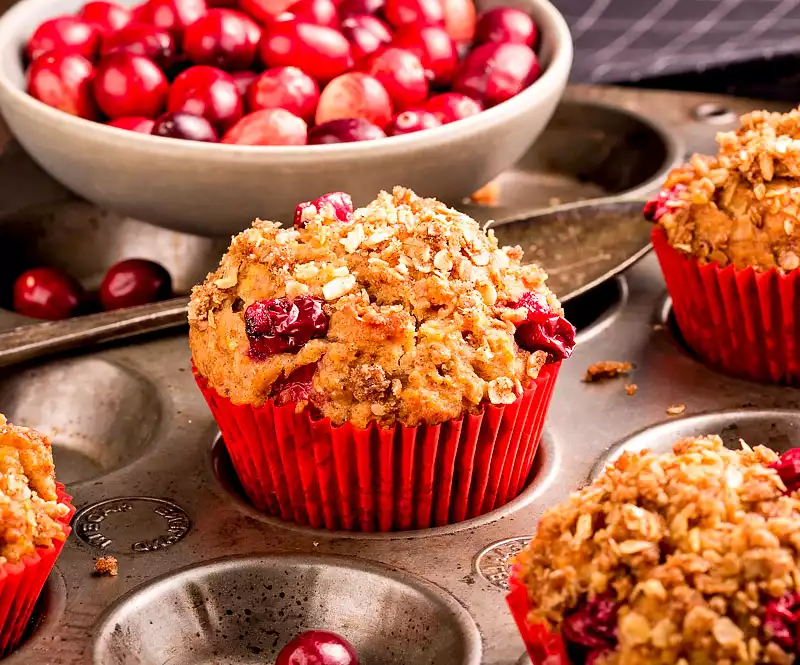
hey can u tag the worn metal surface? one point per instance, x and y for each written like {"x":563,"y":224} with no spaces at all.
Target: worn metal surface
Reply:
{"x":155,"y":490}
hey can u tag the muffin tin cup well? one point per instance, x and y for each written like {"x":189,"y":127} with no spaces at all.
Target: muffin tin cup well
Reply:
{"x":741,"y":322}
{"x":376,"y":479}
{"x":21,"y":584}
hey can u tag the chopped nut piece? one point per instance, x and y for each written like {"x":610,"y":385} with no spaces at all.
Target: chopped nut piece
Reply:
{"x":676,"y":409}
{"x":606,"y":369}
{"x":106,"y":565}
{"x":487,"y":195}
{"x":631,"y":388}
{"x":338,"y":287}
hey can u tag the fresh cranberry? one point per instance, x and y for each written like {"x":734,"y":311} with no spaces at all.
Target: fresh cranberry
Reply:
{"x":106,"y":17}
{"x":268,"y":127}
{"x":65,"y":34}
{"x":64,"y":81}
{"x":413,"y":120}
{"x":366,"y":34}
{"x":493,"y":73}
{"x":335,"y":205}
{"x":320,"y":52}
{"x":47,"y":293}
{"x":433,"y":46}
{"x":506,"y":25}
{"x":344,"y":131}
{"x":264,"y":11}
{"x":280,"y":325}
{"x":139,"y":13}
{"x":286,"y":88}
{"x":134,"y":124}
{"x":355,"y":95}
{"x":222,"y":38}
{"x":788,"y":468}
{"x":459,"y":20}
{"x":781,"y":617}
{"x":414,"y":12}
{"x":452,"y":106}
{"x":243,"y":81}
{"x":140,"y":39}
{"x":544,"y":331}
{"x":297,"y":387}
{"x":657,"y":207}
{"x":321,"y":12}
{"x":134,"y":282}
{"x":222,"y":4}
{"x":402,"y":74}
{"x":318,"y":647}
{"x":348,"y":8}
{"x":207,"y":92}
{"x":174,"y":15}
{"x":128,"y":84}
{"x":185,"y":126}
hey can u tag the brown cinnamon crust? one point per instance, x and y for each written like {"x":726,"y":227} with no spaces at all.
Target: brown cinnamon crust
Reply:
{"x":419,"y":298}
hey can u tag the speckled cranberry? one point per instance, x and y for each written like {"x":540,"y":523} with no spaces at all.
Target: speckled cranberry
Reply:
{"x":64,"y":34}
{"x":452,"y":106}
{"x":414,"y":12}
{"x":134,"y":124}
{"x":318,"y":647}
{"x":126,"y":84}
{"x":222,"y":38}
{"x":413,"y":120}
{"x":544,"y":331}
{"x":207,"y":92}
{"x":64,"y":81}
{"x":434,"y":47}
{"x":506,"y":25}
{"x":297,"y":387}
{"x":657,"y":207}
{"x":105,"y":16}
{"x":494,"y":73}
{"x":141,"y":39}
{"x":287,"y":88}
{"x":402,"y":75}
{"x":173,"y":15}
{"x":366,"y":34}
{"x":47,"y":293}
{"x":338,"y":205}
{"x":185,"y":126}
{"x":281,"y":325}
{"x":348,"y":130}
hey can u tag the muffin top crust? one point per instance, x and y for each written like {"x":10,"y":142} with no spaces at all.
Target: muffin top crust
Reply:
{"x":689,"y":557}
{"x":30,"y":513}
{"x":402,"y":311}
{"x":740,"y":207}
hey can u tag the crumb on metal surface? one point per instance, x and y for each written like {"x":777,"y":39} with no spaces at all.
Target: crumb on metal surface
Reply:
{"x":631,"y":388}
{"x":676,"y":409}
{"x":106,"y":565}
{"x":606,"y":369}
{"x":488,"y":195}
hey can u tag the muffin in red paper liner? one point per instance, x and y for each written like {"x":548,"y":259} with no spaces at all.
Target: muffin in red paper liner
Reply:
{"x":385,"y":368}
{"x":34,"y":523}
{"x":686,"y":557}
{"x":728,"y":240}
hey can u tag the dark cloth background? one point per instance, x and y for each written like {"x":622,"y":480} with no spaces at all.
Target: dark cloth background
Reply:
{"x":742,"y":47}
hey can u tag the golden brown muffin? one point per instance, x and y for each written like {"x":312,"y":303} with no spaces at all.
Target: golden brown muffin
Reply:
{"x":690,"y":557}
{"x":740,"y":207}
{"x":415,"y":313}
{"x":29,"y":507}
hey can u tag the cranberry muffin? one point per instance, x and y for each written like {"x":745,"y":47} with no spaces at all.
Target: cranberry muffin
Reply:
{"x":401,"y":314}
{"x":688,"y":557}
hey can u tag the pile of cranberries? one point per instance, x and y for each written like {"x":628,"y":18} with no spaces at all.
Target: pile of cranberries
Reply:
{"x":48,"y":293}
{"x":281,"y":72}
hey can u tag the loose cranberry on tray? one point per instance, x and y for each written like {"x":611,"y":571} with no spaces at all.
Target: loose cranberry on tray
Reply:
{"x":134,"y":282}
{"x":47,"y":293}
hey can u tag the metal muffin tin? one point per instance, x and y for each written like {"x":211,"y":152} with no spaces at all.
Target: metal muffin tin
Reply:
{"x":204,"y":578}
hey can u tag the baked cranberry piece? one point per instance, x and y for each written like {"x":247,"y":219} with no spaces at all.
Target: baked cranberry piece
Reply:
{"x":335,"y":205}
{"x":493,"y":73}
{"x":280,"y":325}
{"x":287,"y":88}
{"x":657,"y":207}
{"x":401,"y":72}
{"x":321,"y":12}
{"x":414,"y":12}
{"x":185,"y":126}
{"x":413,"y":120}
{"x":173,"y":15}
{"x":318,"y":647}
{"x":243,"y":81}
{"x":268,"y":127}
{"x":141,"y":39}
{"x":207,"y":92}
{"x":459,"y":20}
{"x":788,"y":468}
{"x":348,"y":8}
{"x":592,"y":627}
{"x":355,"y":95}
{"x":134,"y":124}
{"x":65,"y":34}
{"x":297,"y":387}
{"x":47,"y":293}
{"x":134,"y":282}
{"x":506,"y":25}
{"x":452,"y":106}
{"x":781,"y":617}
{"x":366,"y":34}
{"x":126,"y":84}
{"x":544,"y":331}
{"x":434,"y":47}
{"x":264,"y":11}
{"x":64,"y":81}
{"x":222,"y":38}
{"x":345,"y":131}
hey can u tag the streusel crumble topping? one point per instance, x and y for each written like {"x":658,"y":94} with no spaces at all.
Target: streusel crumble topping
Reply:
{"x":688,"y":558}
{"x":740,"y":207}
{"x":402,"y":311}
{"x":29,"y":507}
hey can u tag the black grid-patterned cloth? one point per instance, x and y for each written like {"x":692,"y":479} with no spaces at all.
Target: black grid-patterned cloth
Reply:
{"x":635,"y":40}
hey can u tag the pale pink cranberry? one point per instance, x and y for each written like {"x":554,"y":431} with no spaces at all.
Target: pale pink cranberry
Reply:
{"x":222,"y":38}
{"x":243,"y":80}
{"x":185,"y":126}
{"x":134,"y":124}
{"x":355,"y":95}
{"x":126,"y":84}
{"x":47,"y":293}
{"x":173,"y":15}
{"x":141,"y":39}
{"x":318,"y":647}
{"x":264,"y":11}
{"x":345,"y":131}
{"x":452,"y":106}
{"x":433,"y":46}
{"x":64,"y":34}
{"x":207,"y":92}
{"x":402,"y":74}
{"x":64,"y":81}
{"x":334,"y":205}
{"x":134,"y":282}
{"x":414,"y":12}
{"x":105,"y":16}
{"x":459,"y":20}
{"x":321,"y":12}
{"x":493,"y":73}
{"x":413,"y":120}
{"x":506,"y":25}
{"x":280,"y":325}
{"x":322,"y":53}
{"x":268,"y":127}
{"x":286,"y":88}
{"x":348,"y":8}
{"x":366,"y":34}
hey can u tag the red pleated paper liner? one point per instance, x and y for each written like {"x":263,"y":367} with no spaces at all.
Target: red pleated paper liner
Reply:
{"x":742,"y":322}
{"x":382,"y":479}
{"x":21,"y":584}
{"x":544,"y":647}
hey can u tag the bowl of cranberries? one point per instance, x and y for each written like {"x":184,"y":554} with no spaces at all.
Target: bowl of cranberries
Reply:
{"x":200,"y":115}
